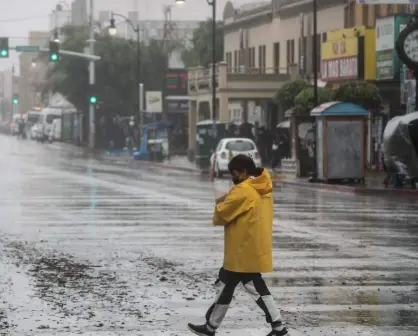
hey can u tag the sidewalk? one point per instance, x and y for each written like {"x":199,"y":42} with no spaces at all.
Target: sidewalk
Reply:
{"x":373,"y":187}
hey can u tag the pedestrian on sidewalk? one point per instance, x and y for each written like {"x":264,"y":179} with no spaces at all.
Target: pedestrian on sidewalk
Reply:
{"x":246,"y":212}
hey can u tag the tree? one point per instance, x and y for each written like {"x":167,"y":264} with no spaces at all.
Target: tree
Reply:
{"x":361,"y":93}
{"x":285,"y":96}
{"x":116,"y":80}
{"x":305,"y":100}
{"x":200,"y":51}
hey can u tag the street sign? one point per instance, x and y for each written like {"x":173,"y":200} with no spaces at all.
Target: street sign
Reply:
{"x":27,"y":48}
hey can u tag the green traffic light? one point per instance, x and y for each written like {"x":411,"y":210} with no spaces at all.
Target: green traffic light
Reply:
{"x":15,"y":101}
{"x":93,"y":100}
{"x":4,"y":53}
{"x":54,"y":57}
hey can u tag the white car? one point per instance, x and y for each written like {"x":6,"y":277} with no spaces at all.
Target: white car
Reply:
{"x":228,"y":148}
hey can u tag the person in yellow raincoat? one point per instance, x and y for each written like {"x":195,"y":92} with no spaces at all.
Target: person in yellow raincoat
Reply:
{"x":246,"y":213}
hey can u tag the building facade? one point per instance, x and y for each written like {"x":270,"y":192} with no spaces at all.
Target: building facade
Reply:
{"x":60,"y":17}
{"x":79,"y":14}
{"x":32,"y":73}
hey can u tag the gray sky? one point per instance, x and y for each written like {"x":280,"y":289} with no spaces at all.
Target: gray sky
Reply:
{"x":18,"y":17}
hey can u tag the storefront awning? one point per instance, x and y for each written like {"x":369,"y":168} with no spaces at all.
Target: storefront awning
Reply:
{"x":338,"y":109}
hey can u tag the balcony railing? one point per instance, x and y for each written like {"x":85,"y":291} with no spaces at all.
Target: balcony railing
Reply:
{"x":257,"y":71}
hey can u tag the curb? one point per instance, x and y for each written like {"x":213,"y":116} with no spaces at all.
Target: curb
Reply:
{"x":407,"y":193}
{"x":169,"y":166}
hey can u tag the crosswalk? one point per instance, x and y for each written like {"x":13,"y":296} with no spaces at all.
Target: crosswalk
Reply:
{"x":95,"y":249}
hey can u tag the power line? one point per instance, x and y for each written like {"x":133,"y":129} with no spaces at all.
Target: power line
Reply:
{"x":28,"y":18}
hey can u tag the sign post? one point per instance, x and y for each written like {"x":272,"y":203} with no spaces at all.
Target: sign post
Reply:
{"x":27,"y":48}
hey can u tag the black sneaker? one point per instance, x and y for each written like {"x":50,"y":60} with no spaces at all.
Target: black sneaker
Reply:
{"x":278,"y":333}
{"x":201,"y":330}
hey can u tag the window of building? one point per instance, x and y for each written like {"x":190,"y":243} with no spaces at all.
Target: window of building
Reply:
{"x":350,"y":14}
{"x":276,"y":57}
{"x":228,"y":57}
{"x":378,"y":9}
{"x":365,"y":13}
{"x":290,"y":52}
{"x":236,"y":61}
{"x":251,"y":61}
{"x":262,"y":59}
{"x":392,"y":9}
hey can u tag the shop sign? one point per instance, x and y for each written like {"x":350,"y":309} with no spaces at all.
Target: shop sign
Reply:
{"x":384,"y":64}
{"x":387,"y":31}
{"x":339,"y":69}
{"x":339,"y":48}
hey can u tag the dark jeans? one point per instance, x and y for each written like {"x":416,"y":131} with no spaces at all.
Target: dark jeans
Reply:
{"x":255,"y":287}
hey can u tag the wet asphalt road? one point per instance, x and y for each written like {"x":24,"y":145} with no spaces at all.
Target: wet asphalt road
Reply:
{"x":92,"y":248}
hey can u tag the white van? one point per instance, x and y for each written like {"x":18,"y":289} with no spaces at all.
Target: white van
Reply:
{"x":31,"y":120}
{"x":48,"y":115}
{"x":55,"y":134}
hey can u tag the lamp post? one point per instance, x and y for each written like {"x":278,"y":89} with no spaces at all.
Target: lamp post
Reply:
{"x":112,"y":31}
{"x":211,"y":3}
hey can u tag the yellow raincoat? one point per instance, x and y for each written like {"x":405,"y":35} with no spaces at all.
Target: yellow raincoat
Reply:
{"x":247,"y":214}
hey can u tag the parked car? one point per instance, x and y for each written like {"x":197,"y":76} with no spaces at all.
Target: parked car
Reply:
{"x":228,"y":148}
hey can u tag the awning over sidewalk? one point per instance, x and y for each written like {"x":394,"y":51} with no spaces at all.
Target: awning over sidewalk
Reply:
{"x":338,"y":109}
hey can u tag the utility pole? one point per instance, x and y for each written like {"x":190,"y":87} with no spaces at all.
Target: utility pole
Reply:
{"x":213,"y":4}
{"x":315,"y":51}
{"x":92,"y":121}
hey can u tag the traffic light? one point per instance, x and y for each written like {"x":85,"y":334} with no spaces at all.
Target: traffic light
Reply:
{"x":93,"y":99}
{"x":4,"y":47}
{"x":15,"y":100}
{"x":54,"y":51}
{"x":92,"y":94}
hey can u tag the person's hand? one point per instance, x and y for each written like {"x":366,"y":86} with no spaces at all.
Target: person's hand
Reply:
{"x":220,"y":199}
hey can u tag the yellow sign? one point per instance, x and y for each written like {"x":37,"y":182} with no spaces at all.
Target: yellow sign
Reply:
{"x":339,"y":48}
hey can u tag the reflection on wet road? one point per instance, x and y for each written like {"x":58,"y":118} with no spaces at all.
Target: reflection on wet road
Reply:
{"x":97,"y":249}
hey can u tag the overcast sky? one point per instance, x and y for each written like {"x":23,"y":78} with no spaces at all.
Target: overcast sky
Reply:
{"x":18,"y":17}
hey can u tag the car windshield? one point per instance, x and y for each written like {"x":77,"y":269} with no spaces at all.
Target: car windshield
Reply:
{"x":239,"y":146}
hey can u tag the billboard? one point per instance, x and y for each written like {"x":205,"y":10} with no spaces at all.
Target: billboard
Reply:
{"x":339,"y":59}
{"x":387,"y":31}
{"x":176,"y":83}
{"x":154,"y":102}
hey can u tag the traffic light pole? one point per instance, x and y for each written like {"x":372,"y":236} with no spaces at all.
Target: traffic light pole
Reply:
{"x":75,"y":54}
{"x":92,"y":79}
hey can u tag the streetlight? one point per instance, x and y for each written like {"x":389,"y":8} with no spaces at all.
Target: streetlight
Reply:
{"x":56,"y":38}
{"x":112,"y":30}
{"x":211,"y":3}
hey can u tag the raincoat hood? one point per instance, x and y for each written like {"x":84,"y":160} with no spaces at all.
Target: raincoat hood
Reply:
{"x":262,"y":181}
